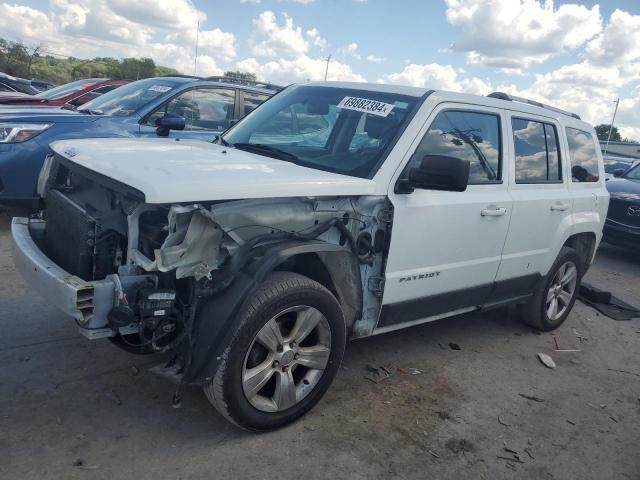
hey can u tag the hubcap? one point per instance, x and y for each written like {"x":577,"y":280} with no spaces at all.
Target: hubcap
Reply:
{"x":561,"y":290}
{"x":286,"y":359}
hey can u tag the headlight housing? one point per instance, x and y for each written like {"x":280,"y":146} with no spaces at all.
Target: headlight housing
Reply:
{"x":19,"y":132}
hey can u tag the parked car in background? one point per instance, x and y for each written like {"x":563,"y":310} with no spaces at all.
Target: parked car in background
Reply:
{"x":615,"y":164}
{"x":373,"y":208}
{"x":194,"y":108}
{"x":73,"y":94}
{"x":9,"y":83}
{"x":622,"y":227}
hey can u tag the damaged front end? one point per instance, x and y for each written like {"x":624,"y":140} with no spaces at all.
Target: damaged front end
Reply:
{"x":142,"y":274}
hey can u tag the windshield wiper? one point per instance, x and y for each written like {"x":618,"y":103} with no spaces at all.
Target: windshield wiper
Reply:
{"x":90,"y":112}
{"x":267,"y":150}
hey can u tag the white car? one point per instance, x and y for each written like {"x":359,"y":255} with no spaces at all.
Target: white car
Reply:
{"x":333,"y":211}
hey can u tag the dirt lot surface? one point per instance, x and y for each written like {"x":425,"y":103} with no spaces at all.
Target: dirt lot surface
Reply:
{"x":75,"y":409}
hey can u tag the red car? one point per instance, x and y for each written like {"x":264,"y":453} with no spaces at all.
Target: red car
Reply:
{"x":74,"y":93}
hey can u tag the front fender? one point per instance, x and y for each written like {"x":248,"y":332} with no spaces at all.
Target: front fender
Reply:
{"x":216,"y":317}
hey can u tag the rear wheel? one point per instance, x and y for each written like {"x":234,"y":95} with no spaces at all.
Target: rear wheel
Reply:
{"x":284,"y":355}
{"x":553,"y":301}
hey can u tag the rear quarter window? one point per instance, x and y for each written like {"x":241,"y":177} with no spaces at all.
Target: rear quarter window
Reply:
{"x":583,"y":156}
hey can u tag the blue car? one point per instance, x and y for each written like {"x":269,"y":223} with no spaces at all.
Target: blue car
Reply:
{"x":182,"y":107}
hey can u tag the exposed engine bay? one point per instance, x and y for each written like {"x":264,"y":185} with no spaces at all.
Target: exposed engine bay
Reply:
{"x":164,"y":261}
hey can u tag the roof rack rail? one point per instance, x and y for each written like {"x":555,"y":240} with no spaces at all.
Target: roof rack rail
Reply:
{"x":252,"y":83}
{"x":180,"y":75}
{"x":513,"y":98}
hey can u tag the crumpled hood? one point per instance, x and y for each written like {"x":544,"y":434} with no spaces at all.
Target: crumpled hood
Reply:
{"x":170,"y":171}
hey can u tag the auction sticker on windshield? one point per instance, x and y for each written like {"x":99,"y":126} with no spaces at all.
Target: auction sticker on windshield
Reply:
{"x":159,"y":88}
{"x":367,"y":106}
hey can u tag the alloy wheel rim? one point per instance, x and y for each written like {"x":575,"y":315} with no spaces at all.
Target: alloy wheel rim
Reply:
{"x":286,"y":359}
{"x":561,"y":290}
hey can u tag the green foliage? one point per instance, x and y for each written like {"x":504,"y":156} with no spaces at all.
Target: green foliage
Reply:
{"x":238,"y":75}
{"x":19,"y":61}
{"x":603,"y":133}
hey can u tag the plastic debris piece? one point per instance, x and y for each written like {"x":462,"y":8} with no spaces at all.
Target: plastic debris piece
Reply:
{"x":502,"y":422}
{"x":532,"y":398}
{"x":546,"y":360}
{"x":377,"y":373}
{"x":454,"y":346}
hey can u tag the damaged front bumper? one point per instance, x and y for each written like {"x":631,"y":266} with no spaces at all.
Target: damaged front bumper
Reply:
{"x":88,"y":302}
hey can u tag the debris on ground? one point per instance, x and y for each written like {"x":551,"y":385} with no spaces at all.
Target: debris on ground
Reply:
{"x":571,"y":422}
{"x":579,"y":336}
{"x":623,"y":371}
{"x":78,"y":462}
{"x":546,"y":360}
{"x":176,"y":401}
{"x":532,"y":398}
{"x":432,"y":453}
{"x":377,"y":373}
{"x":530,"y":453}
{"x":135,"y":370}
{"x":80,"y":436}
{"x":59,"y":420}
{"x":502,"y":422}
{"x":454,"y":346}
{"x":459,"y":445}
{"x":415,"y":371}
{"x":614,"y":418}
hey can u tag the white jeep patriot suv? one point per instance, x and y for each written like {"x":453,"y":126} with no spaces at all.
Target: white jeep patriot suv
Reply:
{"x":333,"y":211}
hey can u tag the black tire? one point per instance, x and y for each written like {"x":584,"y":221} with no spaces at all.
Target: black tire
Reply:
{"x":534,"y":312}
{"x":280,"y":291}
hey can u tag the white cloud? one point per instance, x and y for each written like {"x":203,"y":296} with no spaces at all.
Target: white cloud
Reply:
{"x":301,"y":69}
{"x":316,"y":39}
{"x":619,"y":43}
{"x":374,"y":58}
{"x":285,"y":38}
{"x":350,"y":50}
{"x":513,"y":34}
{"x":165,"y":31}
{"x":439,"y":77}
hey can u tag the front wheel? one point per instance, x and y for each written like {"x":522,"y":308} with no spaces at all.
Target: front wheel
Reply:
{"x":284,"y":355}
{"x":553,"y":301}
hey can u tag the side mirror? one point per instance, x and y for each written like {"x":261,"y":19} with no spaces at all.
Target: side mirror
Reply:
{"x":170,"y":121}
{"x":435,"y":172}
{"x":619,"y":172}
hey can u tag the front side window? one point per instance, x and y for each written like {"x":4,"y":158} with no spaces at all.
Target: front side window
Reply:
{"x":536,"y":152}
{"x":251,"y":101}
{"x":202,"y":109}
{"x":340,"y":130}
{"x":584,"y":159}
{"x":56,"y":93}
{"x":471,"y":136}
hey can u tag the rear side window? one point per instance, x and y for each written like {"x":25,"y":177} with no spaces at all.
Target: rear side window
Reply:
{"x":584,"y":159}
{"x":252,"y":100}
{"x":536,"y":151}
{"x":471,"y":136}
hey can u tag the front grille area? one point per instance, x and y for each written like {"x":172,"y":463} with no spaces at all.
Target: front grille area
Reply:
{"x":627,"y":213}
{"x":70,"y":235}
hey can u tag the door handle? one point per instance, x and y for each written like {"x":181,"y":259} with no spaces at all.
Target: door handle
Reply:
{"x":559,"y":207}
{"x":493,"y":212}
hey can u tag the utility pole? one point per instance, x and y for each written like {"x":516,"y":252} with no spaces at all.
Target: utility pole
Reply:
{"x":615,"y":110}
{"x":33,"y":54}
{"x":326,"y":70}
{"x":195,"y":61}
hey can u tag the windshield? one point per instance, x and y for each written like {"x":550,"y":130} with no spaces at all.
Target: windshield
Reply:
{"x":129,"y":98}
{"x":340,"y":130}
{"x":634,"y":173}
{"x":68,"y":88}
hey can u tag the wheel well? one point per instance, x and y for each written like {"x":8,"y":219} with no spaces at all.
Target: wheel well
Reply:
{"x":584,"y":244}
{"x":338,"y":273}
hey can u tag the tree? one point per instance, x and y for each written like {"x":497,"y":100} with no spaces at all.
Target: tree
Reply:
{"x":242,"y":76}
{"x":603,"y":133}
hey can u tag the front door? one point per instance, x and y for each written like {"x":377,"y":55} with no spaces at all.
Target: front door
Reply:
{"x":446,"y":246}
{"x":207,"y":112}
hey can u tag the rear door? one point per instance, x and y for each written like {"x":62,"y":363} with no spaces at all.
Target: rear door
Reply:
{"x":542,"y":202}
{"x":446,"y":246}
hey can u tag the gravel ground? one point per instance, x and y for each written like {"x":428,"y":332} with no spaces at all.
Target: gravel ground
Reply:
{"x":71,"y":408}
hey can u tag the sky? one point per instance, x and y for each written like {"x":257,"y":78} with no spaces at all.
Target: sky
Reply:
{"x":579,"y":55}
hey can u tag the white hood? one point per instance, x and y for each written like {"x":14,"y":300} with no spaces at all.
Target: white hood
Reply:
{"x":171,"y":171}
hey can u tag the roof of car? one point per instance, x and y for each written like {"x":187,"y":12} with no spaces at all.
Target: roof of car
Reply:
{"x":261,"y":87}
{"x":496,"y":99}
